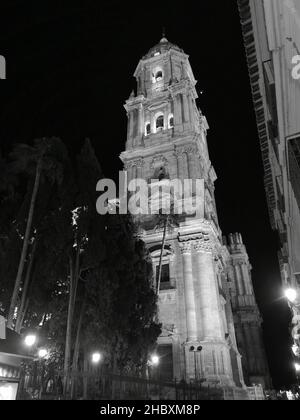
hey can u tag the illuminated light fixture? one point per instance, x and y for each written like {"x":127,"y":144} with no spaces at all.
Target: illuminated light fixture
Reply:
{"x":296,"y":350}
{"x":155,"y":360}
{"x":96,"y":357}
{"x":43,"y":353}
{"x":8,"y":391}
{"x":291,"y":295}
{"x":30,"y":340}
{"x":297,"y":367}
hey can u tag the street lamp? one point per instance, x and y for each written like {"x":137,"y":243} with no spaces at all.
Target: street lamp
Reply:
{"x":291,"y":295}
{"x":96,"y":358}
{"x":42,"y":353}
{"x":30,"y":340}
{"x":154,"y":360}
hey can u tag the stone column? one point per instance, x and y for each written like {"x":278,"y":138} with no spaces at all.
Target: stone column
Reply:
{"x":246,"y":278}
{"x":130,"y":124}
{"x":249,"y":349}
{"x":209,"y":297}
{"x":141,"y":121}
{"x":180,"y":166}
{"x":173,"y":167}
{"x":191,"y":107}
{"x":129,"y":170}
{"x":177,"y":111}
{"x":186,"y":108}
{"x":239,"y":280}
{"x":134,"y":171}
{"x":185,"y":164}
{"x":139,"y":170}
{"x":191,"y":152}
{"x":190,"y":306}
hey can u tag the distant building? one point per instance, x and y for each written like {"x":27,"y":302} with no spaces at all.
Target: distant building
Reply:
{"x":167,"y":140}
{"x":271,"y":30}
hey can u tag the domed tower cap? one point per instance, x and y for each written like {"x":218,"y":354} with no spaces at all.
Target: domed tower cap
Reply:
{"x":163,"y":40}
{"x":163,"y":46}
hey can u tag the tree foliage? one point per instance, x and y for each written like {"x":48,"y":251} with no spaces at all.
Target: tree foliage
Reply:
{"x":90,"y":285}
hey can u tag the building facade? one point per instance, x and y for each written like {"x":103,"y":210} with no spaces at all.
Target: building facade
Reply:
{"x":246,"y":315}
{"x":271,"y":30}
{"x":166,"y":141}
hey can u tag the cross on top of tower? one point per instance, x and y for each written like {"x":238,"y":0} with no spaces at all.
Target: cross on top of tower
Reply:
{"x":163,"y":39}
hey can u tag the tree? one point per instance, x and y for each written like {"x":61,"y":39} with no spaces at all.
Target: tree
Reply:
{"x":42,"y":159}
{"x":91,"y":283}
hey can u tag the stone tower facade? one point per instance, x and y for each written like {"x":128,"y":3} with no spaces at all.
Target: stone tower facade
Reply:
{"x":247,"y":319}
{"x":167,"y":139}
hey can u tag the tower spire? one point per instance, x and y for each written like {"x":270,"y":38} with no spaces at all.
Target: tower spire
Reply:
{"x":163,"y":39}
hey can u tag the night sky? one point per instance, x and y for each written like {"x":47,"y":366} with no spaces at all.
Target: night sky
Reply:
{"x":69,"y":72}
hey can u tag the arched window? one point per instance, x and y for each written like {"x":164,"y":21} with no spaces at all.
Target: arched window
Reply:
{"x":157,"y":75}
{"x":171,"y":121}
{"x":147,"y":129}
{"x":160,"y":123}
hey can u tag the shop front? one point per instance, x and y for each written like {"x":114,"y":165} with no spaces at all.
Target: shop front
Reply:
{"x":12,"y":354}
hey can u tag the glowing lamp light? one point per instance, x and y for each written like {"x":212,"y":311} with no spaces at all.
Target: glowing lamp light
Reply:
{"x":96,"y":357}
{"x":155,"y":360}
{"x":291,"y":295}
{"x":30,"y":340}
{"x":296,"y":350}
{"x":43,"y":353}
{"x":297,"y":367}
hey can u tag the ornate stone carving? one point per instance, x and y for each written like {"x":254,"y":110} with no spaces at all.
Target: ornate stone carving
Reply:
{"x":191,"y":150}
{"x":179,"y":152}
{"x":186,"y":247}
{"x":205,"y":244}
{"x":158,"y":161}
{"x":139,"y":163}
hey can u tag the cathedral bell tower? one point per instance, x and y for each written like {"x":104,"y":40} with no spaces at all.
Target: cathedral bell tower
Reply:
{"x":167,"y":140}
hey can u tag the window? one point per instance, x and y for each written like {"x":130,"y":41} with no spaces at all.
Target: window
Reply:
{"x":148,"y":129}
{"x":165,"y":275}
{"x":162,"y":174}
{"x":157,"y":75}
{"x":160,"y":123}
{"x":171,"y":121}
